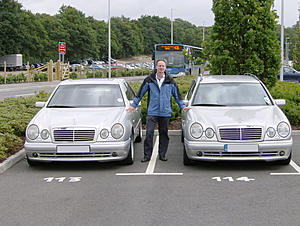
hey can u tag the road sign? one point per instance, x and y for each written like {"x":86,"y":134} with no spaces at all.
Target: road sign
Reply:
{"x":62,"y":47}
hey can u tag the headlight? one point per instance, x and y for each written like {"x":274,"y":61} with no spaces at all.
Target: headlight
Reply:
{"x":117,"y":131}
{"x":196,"y":130}
{"x":283,"y":129}
{"x":209,"y":132}
{"x":271,"y":132}
{"x":45,"y":134}
{"x":104,"y":133}
{"x":33,"y":132}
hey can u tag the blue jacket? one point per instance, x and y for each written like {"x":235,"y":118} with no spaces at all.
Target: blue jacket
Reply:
{"x":159,"y":100}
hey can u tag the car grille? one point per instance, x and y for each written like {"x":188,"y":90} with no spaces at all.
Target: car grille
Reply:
{"x":74,"y":135}
{"x":240,"y":133}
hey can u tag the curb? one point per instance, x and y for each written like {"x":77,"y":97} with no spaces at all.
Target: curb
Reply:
{"x":12,"y":160}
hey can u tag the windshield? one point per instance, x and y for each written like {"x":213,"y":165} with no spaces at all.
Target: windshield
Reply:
{"x":173,"y":58}
{"x":231,"y":94}
{"x":87,"y":95}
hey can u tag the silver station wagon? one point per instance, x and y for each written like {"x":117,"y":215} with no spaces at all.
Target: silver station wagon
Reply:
{"x":234,"y":118}
{"x":85,"y":120}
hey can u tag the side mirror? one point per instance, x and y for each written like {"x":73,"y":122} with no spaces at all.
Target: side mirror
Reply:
{"x":186,"y":102}
{"x":280,"y":102}
{"x":40,"y":104}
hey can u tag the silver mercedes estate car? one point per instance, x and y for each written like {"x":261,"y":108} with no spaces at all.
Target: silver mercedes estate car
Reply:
{"x":85,"y":120}
{"x":234,"y":117}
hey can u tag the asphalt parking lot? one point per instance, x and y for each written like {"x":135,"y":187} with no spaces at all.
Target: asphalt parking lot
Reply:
{"x":153,"y":193}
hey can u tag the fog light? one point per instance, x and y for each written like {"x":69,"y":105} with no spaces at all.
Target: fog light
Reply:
{"x":114,"y":154}
{"x":199,"y":153}
{"x":281,"y":153}
{"x":34,"y":154}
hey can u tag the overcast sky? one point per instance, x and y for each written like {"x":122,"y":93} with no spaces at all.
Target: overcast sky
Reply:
{"x":197,"y":12}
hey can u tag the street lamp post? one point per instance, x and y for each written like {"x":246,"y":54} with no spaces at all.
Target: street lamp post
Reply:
{"x":282,"y":40}
{"x":171,"y":26}
{"x":109,"y":42}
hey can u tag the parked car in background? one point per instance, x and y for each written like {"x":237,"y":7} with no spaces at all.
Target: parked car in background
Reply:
{"x":85,"y":120}
{"x":290,"y":74}
{"x":97,"y":67}
{"x":234,"y":118}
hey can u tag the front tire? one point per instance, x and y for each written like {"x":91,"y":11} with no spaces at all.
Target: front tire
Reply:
{"x":130,"y":157}
{"x":285,"y":161}
{"x":186,"y":160}
{"x":139,"y":137}
{"x":31,"y":162}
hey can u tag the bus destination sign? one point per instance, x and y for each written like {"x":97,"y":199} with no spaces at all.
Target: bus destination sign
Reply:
{"x":169,"y":48}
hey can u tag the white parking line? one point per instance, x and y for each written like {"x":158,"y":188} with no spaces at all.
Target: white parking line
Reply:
{"x":294,"y":165}
{"x":26,"y":94}
{"x":151,"y":165}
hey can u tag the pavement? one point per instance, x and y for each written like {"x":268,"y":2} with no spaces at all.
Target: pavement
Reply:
{"x":14,"y":159}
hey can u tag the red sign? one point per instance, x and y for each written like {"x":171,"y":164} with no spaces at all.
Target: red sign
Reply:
{"x":62,"y":47}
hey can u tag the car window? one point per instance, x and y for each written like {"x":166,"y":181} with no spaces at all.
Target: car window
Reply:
{"x":287,"y":69}
{"x":87,"y":95}
{"x":231,"y":94}
{"x":129,"y":92}
{"x":191,"y":90}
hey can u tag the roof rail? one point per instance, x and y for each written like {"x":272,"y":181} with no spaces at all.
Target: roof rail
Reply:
{"x":252,"y":75}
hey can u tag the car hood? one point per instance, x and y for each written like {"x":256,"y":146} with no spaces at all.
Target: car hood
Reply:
{"x":78,"y":117}
{"x":238,"y":116}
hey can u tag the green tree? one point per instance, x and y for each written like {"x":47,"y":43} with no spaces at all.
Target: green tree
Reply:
{"x":243,"y":39}
{"x":11,"y":16}
{"x":296,"y":47}
{"x":81,"y":38}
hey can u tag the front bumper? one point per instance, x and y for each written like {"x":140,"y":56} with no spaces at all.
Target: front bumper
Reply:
{"x":214,"y":151}
{"x":98,"y":151}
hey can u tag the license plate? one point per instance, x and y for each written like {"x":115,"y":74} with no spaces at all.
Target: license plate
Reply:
{"x":241,"y":148}
{"x":73,"y":149}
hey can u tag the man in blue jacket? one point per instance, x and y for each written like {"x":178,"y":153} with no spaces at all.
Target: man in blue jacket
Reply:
{"x":160,"y":87}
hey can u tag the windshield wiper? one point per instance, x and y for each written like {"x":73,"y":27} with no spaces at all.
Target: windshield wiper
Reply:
{"x":213,"y":105}
{"x":60,"y":106}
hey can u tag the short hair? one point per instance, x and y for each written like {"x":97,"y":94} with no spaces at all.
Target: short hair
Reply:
{"x":163,"y":60}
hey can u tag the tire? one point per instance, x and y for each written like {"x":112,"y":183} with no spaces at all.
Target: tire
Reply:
{"x":31,"y":162}
{"x":186,"y":160}
{"x":130,"y":157}
{"x":286,"y":161}
{"x":182,"y":138}
{"x":138,"y":139}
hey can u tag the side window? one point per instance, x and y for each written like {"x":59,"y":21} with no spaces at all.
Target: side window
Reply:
{"x":191,"y":90}
{"x":129,"y":92}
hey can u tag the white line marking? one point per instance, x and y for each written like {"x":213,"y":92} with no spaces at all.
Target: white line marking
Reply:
{"x":26,"y":94}
{"x":149,"y":174}
{"x":151,"y":165}
{"x":284,"y":174}
{"x":294,"y":165}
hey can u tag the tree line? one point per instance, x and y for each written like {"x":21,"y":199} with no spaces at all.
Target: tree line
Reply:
{"x":36,"y":36}
{"x":244,"y":38}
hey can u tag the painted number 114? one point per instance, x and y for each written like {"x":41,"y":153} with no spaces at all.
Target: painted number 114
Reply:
{"x":231,"y":179}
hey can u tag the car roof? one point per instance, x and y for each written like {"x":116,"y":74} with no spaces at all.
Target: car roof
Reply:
{"x":229,"y":79}
{"x":116,"y":81}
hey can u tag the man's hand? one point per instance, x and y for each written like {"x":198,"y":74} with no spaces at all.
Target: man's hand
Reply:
{"x":130,"y":109}
{"x":185,"y":109}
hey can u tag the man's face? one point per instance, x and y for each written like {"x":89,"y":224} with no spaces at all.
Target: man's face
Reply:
{"x":161,"y":66}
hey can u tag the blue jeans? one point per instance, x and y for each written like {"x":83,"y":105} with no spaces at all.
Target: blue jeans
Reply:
{"x":163,"y":123}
